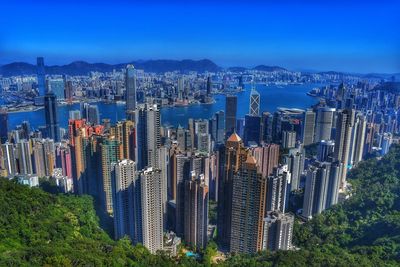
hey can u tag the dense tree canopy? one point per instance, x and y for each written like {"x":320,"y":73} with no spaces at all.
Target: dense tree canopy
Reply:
{"x":38,"y":228}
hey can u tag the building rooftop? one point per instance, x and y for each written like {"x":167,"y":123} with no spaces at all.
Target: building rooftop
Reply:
{"x":234,"y":138}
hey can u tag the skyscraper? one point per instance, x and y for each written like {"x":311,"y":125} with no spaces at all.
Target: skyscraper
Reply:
{"x":3,"y":126}
{"x":266,"y":127}
{"x":288,"y":139}
{"x":130,"y":85}
{"x":25,"y":157}
{"x":165,"y":168}
{"x":254,"y":103}
{"x":322,"y":187}
{"x":252,"y":130}
{"x":148,"y":138}
{"x":25,"y":129}
{"x":77,"y":131}
{"x":323,"y":127}
{"x":325,"y":150}
{"x":231,"y":160}
{"x":278,"y":231}
{"x":109,"y":155}
{"x":248,"y":208}
{"x":9,"y":158}
{"x":123,"y":187}
{"x":50,"y":110}
{"x":196,"y":212}
{"x":295,"y":162}
{"x":41,"y":76}
{"x":218,"y":127}
{"x":181,"y":88}
{"x":277,"y":189}
{"x":267,"y":157}
{"x":90,"y":113}
{"x":181,"y":173}
{"x":57,"y":86}
{"x":152,"y":211}
{"x":230,"y":111}
{"x":69,"y":90}
{"x":153,"y":135}
{"x":357,"y":140}
{"x":209,"y":85}
{"x":124,"y":132}
{"x":308,"y":127}
{"x":344,"y":127}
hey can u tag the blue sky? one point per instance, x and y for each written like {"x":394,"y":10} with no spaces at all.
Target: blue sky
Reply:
{"x":354,"y":36}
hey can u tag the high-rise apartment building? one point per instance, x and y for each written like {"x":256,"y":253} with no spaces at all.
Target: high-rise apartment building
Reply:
{"x":357,"y":140}
{"x":344,"y":128}
{"x":123,"y":187}
{"x":288,"y":139}
{"x":109,"y":155}
{"x":277,"y":189}
{"x":152,"y":209}
{"x":10,"y":162}
{"x":196,"y":212}
{"x":322,"y":187}
{"x":180,"y":173}
{"x":278,"y":231}
{"x":24,"y":148}
{"x":267,"y":157}
{"x":248,"y":208}
{"x":148,"y":136}
{"x":295,"y":161}
{"x":232,"y":158}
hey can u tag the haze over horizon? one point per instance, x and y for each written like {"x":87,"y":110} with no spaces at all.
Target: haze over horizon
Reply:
{"x":359,"y":37}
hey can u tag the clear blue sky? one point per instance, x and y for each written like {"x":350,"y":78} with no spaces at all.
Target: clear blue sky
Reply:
{"x":360,"y":36}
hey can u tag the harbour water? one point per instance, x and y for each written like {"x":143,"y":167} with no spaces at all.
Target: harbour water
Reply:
{"x":272,"y":97}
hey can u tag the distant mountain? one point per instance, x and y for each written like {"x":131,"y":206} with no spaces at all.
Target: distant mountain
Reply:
{"x":237,"y":69}
{"x":83,"y":68}
{"x":269,"y":68}
{"x":17,"y":68}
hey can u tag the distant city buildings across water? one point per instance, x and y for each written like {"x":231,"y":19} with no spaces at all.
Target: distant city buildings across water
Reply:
{"x":272,"y":97}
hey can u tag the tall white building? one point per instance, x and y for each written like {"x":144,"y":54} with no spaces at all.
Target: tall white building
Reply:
{"x":344,"y":128}
{"x":153,"y":135}
{"x":164,"y":165}
{"x":124,"y":180}
{"x":148,"y":136}
{"x":25,"y":157}
{"x":152,"y":209}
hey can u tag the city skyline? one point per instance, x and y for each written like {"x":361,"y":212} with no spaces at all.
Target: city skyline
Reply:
{"x":191,"y":162}
{"x":353,"y":37}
